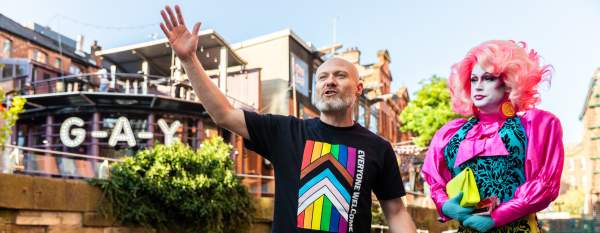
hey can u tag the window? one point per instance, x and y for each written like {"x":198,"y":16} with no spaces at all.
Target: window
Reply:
{"x":58,"y":63}
{"x":14,"y":69}
{"x":571,"y":165}
{"x":6,"y":48}
{"x":374,"y":120}
{"x":361,"y":115}
{"x":40,"y":56}
{"x":21,"y":69}
{"x":6,"y":70}
{"x":73,"y":69}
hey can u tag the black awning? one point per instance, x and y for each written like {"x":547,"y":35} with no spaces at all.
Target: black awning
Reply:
{"x":119,"y":102}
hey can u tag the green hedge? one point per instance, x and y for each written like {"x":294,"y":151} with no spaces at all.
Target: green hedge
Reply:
{"x":177,"y":188}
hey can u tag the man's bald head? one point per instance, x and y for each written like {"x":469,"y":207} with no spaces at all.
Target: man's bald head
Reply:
{"x":335,"y":64}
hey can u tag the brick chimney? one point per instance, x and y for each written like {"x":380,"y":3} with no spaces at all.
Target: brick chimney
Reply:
{"x":351,"y":54}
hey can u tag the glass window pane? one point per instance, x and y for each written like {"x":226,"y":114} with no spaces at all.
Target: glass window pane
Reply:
{"x":21,"y":69}
{"x":74,"y":70}
{"x":373,"y":120}
{"x":6,"y":48}
{"x":39,"y":56}
{"x":58,"y":63}
{"x":43,"y":58}
{"x":7,"y":70}
{"x":361,"y":115}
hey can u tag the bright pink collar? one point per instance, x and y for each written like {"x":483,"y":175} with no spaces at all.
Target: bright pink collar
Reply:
{"x":482,"y":139}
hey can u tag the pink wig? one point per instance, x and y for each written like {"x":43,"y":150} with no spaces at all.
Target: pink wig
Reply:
{"x":519,"y":69}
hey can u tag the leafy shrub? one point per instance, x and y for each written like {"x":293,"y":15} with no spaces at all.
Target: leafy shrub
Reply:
{"x":176,"y":188}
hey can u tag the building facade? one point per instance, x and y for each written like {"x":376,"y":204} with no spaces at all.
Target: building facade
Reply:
{"x":39,"y":54}
{"x":85,"y":109}
{"x":288,"y":65}
{"x":582,"y":161}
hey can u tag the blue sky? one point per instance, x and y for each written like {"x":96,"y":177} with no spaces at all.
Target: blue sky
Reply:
{"x":424,"y":37}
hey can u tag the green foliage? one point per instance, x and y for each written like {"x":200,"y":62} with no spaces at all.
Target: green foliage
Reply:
{"x":377,"y":216}
{"x":9,"y":115}
{"x":429,"y":111}
{"x":177,"y":188}
{"x":571,"y":201}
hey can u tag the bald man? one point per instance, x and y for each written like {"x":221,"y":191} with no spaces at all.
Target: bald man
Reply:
{"x":326,"y":167}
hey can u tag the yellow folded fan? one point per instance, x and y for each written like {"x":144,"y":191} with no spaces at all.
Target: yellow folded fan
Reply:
{"x":464,"y":182}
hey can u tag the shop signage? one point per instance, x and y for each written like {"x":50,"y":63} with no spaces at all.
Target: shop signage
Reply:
{"x":72,"y":134}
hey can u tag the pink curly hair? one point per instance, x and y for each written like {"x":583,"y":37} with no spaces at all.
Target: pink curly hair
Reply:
{"x":519,"y":69}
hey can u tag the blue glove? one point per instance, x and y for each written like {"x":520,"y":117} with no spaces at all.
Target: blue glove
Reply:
{"x":452,"y":208}
{"x":480,"y":223}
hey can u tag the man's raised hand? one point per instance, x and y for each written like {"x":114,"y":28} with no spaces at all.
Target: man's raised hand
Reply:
{"x":182,"y":41}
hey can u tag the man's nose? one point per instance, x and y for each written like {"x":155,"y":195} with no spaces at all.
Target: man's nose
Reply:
{"x":330,"y":81}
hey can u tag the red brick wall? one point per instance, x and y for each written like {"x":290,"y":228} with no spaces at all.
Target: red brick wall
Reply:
{"x":22,"y":48}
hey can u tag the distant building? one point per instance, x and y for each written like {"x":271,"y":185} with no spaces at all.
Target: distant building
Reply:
{"x":582,"y":161}
{"x":37,"y":54}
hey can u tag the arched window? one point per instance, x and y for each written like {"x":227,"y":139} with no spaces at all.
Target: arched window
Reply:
{"x":6,"y":47}
{"x":73,"y":69}
{"x":40,"y":56}
{"x":58,"y":63}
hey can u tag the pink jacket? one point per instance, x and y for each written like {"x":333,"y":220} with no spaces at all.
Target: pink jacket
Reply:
{"x":543,"y":165}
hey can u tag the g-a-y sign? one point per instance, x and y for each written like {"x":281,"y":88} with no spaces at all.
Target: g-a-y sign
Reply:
{"x":72,"y":135}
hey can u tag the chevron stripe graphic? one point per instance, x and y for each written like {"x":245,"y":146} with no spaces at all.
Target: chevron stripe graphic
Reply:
{"x":325,"y":174}
{"x":325,"y":187}
{"x":332,"y":160}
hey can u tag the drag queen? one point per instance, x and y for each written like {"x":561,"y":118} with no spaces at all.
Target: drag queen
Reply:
{"x":514,"y":150}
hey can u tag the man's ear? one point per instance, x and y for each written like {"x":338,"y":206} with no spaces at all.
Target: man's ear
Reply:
{"x":359,"y":88}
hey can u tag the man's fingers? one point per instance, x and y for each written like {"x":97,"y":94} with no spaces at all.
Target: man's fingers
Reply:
{"x":196,"y":28}
{"x":166,"y":20}
{"x":179,"y":15}
{"x":172,"y":16}
{"x":165,"y":30}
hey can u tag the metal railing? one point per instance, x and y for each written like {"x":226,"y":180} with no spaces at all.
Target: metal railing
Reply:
{"x":50,"y":163}
{"x":123,"y":83}
{"x":259,"y":185}
{"x":40,"y":162}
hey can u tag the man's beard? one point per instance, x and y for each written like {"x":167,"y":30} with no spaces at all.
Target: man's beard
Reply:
{"x":334,"y":104}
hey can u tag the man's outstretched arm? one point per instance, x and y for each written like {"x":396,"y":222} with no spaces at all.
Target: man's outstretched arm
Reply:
{"x":185,"y":44}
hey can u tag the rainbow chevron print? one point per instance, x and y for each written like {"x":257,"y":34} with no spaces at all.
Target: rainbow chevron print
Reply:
{"x":326,"y":180}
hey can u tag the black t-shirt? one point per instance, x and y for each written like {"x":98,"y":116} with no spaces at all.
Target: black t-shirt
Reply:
{"x":323,"y":174}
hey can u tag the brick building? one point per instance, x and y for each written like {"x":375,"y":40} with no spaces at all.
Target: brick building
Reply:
{"x":582,"y":161}
{"x":38,"y":53}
